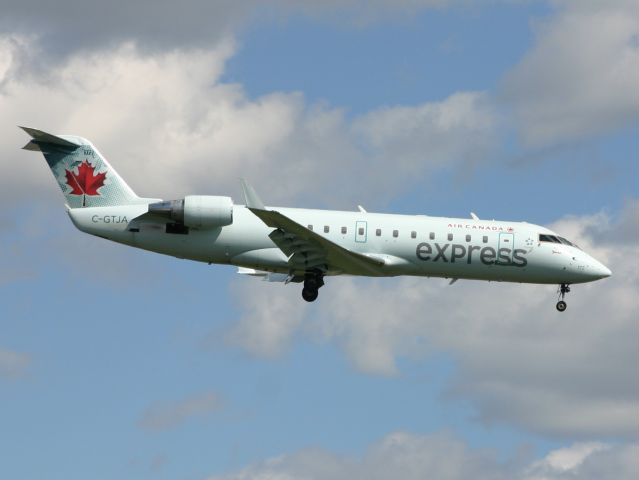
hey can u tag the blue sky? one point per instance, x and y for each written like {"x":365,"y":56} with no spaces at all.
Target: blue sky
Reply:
{"x":409,"y":59}
{"x":122,"y":363}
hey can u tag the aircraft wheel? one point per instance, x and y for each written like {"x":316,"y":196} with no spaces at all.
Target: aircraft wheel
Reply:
{"x":310,"y":294}
{"x":561,"y":305}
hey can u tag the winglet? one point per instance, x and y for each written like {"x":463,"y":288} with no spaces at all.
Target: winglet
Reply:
{"x":250,"y":197}
{"x":473,"y":216}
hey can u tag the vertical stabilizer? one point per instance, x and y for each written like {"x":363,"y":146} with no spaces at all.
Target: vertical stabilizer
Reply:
{"x":83,"y":174}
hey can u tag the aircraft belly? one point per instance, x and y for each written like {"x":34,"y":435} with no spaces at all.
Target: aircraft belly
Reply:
{"x":268,"y":259}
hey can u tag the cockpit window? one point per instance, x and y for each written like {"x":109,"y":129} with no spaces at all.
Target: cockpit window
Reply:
{"x":548,"y":238}
{"x":568,"y":242}
{"x":554,"y":239}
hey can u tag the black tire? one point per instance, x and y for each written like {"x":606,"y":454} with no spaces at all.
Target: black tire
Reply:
{"x":311,"y":284}
{"x":310,"y":294}
{"x":561,"y":305}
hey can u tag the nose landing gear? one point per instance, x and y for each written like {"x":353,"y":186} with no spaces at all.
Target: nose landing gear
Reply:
{"x":564,"y":288}
{"x":312,"y":283}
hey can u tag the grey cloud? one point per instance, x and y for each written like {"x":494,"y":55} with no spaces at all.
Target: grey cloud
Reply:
{"x":70,"y":25}
{"x":67,"y":26}
{"x":463,"y":127}
{"x":13,"y":364}
{"x":623,"y":230}
{"x":580,"y":77}
{"x":170,"y":415}
{"x":444,"y":457}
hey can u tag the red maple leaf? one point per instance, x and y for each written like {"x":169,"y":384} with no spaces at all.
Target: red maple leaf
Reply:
{"x":85,"y":182}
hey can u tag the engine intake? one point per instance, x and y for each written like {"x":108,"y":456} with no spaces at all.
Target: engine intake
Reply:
{"x":197,"y":211}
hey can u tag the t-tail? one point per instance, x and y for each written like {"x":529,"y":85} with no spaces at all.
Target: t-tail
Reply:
{"x":85,"y":177}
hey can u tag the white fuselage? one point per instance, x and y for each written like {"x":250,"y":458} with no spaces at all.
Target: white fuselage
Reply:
{"x":407,"y":244}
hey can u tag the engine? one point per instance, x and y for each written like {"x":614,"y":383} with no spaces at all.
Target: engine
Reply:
{"x":197,"y":211}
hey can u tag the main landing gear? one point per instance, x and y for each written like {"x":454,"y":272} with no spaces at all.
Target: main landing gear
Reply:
{"x":312,"y":283}
{"x":564,"y":288}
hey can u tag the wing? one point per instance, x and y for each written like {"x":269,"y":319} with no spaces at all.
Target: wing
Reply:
{"x":305,"y":249}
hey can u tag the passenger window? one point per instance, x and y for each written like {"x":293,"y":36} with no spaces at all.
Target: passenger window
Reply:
{"x":450,"y":237}
{"x":310,"y":227}
{"x":378,"y":232}
{"x":485,"y":239}
{"x":395,"y":233}
{"x":343,"y":230}
{"x":413,"y":234}
{"x":361,"y":231}
{"x":326,"y":229}
{"x":468,"y":238}
{"x":432,"y":235}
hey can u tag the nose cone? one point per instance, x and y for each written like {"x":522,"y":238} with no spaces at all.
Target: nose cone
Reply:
{"x":601,"y":270}
{"x":597,"y":270}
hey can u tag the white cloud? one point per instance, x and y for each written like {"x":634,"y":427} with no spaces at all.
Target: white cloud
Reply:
{"x":170,"y":415}
{"x":563,"y":460}
{"x":11,"y":47}
{"x":398,"y":455}
{"x":171,"y":127}
{"x":444,"y":457}
{"x":13,"y":364}
{"x":518,"y":360}
{"x":269,"y":319}
{"x":580,"y":77}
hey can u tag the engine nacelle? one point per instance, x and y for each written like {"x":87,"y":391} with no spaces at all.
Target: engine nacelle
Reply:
{"x":197,"y":211}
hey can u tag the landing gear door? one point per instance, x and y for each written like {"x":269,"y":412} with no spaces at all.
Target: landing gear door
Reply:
{"x":506,"y":248}
{"x":361,"y":231}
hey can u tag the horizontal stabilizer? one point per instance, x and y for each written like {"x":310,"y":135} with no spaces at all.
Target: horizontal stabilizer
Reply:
{"x":40,"y":137}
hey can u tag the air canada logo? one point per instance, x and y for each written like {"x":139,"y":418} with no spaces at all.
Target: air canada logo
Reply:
{"x":85,"y":182}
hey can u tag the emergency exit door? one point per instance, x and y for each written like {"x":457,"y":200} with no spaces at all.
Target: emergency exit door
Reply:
{"x":360,"y":231}
{"x":506,"y":241}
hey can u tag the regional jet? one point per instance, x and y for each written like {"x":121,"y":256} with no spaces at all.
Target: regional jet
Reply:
{"x":302,"y":245}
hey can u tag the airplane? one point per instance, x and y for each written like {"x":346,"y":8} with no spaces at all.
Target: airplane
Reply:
{"x":303,"y":245}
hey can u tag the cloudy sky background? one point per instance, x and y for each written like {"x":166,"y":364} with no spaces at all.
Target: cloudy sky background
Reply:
{"x":117,"y":363}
